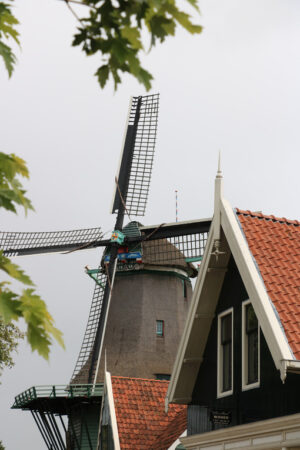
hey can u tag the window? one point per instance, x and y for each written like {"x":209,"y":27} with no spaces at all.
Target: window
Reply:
{"x":225,"y":353}
{"x":250,"y":347}
{"x":160,"y":328}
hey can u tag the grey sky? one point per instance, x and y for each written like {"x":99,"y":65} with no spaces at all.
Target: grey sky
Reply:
{"x":235,"y":87}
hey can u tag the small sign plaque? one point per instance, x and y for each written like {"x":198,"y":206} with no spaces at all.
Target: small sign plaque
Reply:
{"x":221,"y":417}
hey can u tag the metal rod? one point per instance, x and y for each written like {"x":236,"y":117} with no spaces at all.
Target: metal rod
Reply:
{"x":48,"y":428}
{"x":63,"y":423}
{"x":56,"y":431}
{"x":41,"y":430}
{"x":52,"y":424}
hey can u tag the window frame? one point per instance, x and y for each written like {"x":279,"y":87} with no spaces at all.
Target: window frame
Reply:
{"x":246,"y":386}
{"x":221,"y":393}
{"x":162,"y":334}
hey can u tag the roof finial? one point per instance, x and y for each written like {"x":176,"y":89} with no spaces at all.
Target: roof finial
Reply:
{"x":219,"y":173}
{"x":218,"y":197}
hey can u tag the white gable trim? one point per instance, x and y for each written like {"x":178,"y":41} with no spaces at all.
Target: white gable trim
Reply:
{"x":200,"y":315}
{"x":190,"y":321}
{"x":253,"y":282}
{"x":112,"y":411}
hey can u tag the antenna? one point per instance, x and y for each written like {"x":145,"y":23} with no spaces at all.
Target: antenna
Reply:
{"x":176,"y":203}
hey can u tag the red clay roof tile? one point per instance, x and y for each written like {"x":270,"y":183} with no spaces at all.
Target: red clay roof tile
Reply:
{"x":141,"y":418}
{"x":275,"y":245}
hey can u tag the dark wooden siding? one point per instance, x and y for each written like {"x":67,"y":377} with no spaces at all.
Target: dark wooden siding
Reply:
{"x":271,"y":399}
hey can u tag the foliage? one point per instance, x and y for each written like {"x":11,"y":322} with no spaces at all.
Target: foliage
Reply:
{"x":9,"y":338}
{"x":113,"y":30}
{"x":1,"y":446}
{"x":8,"y":32}
{"x":11,"y":191}
{"x":27,"y":305}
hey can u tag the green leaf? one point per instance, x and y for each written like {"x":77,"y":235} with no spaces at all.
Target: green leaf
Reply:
{"x":114,"y":30}
{"x":119,"y":51}
{"x":7,"y":31}
{"x":145,"y":78}
{"x":8,"y":304}
{"x":161,"y":27}
{"x":133,"y":36}
{"x":40,"y":323}
{"x":38,"y":341}
{"x":8,"y":58}
{"x":7,"y":20}
{"x":102,"y":74}
{"x":194,"y":4}
{"x":183,"y":19}
{"x":13,"y":270}
{"x":11,"y":190}
{"x":116,"y":77}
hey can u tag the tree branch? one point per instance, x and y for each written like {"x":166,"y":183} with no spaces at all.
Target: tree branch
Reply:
{"x":72,"y":10}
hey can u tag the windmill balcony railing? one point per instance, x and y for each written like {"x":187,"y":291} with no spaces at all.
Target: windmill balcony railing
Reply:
{"x":65,"y":391}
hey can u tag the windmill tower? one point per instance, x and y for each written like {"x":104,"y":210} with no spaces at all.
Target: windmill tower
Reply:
{"x":147,"y":312}
{"x":140,"y":299}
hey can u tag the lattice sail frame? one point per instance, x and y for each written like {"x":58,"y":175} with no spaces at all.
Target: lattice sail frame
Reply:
{"x":191,"y":248}
{"x":83,"y":363}
{"x":21,"y":243}
{"x":143,"y":156}
{"x":140,"y":166}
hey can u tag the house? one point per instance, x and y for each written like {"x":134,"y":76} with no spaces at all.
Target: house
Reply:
{"x":238,"y":363}
{"x":133,"y":415}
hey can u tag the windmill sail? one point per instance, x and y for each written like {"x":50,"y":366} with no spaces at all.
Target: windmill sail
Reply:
{"x":84,"y":361}
{"x":137,"y":157}
{"x":32,"y":243}
{"x":187,"y":237}
{"x":132,"y":187}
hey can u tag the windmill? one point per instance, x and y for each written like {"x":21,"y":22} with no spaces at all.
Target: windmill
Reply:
{"x":130,"y":249}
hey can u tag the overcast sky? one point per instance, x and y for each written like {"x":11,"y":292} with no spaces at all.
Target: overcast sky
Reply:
{"x":235,"y":88}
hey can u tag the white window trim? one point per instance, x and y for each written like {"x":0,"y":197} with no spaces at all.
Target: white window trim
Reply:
{"x":221,"y":394}
{"x":245,"y":386}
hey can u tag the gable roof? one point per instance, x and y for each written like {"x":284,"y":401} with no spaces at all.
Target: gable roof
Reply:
{"x":228,"y":235}
{"x":275,"y":245}
{"x":141,"y":418}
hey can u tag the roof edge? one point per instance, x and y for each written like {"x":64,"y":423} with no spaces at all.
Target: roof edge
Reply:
{"x":112,"y":411}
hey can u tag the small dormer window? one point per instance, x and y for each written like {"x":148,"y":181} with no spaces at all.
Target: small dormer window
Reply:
{"x":250,"y":347}
{"x":225,"y":353}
